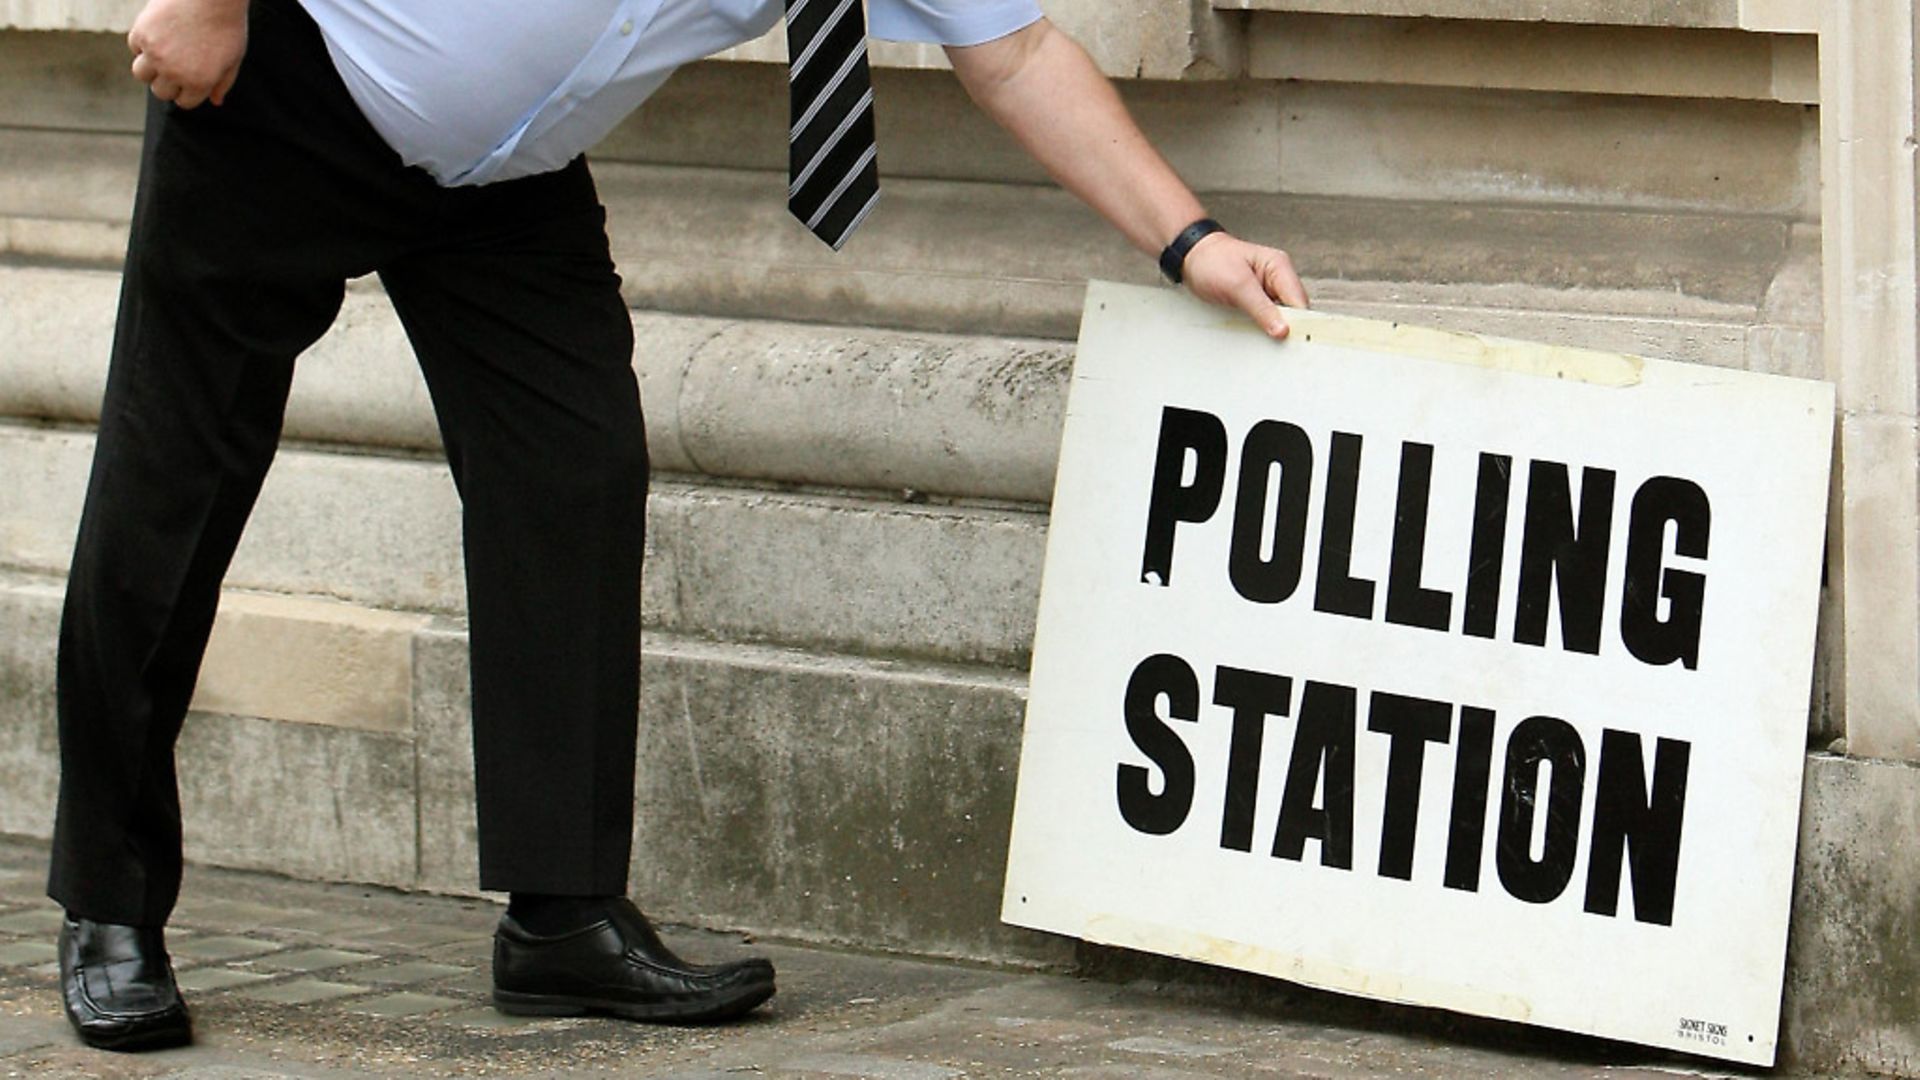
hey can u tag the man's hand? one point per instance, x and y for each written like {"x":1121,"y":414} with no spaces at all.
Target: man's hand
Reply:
{"x":1228,"y":271}
{"x":189,"y":51}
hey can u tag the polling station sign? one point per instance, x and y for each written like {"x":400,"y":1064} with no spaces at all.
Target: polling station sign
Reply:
{"x":1427,"y":667}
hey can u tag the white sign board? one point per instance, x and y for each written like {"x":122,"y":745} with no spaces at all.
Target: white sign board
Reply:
{"x":1433,"y":668}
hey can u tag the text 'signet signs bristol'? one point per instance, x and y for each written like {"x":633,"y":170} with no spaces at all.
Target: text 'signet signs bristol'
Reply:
{"x":1437,"y":669}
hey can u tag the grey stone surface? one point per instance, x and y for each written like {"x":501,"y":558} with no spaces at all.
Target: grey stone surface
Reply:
{"x":838,"y":1014}
{"x":411,"y":973}
{"x":954,"y":583}
{"x":1010,"y":260}
{"x":443,"y":731}
{"x":212,"y":979}
{"x":310,"y":960}
{"x":29,"y":749}
{"x":1677,"y":13}
{"x":326,"y":803}
{"x":397,"y":1006}
{"x":949,"y":583}
{"x":971,"y":416}
{"x":300,"y":992}
{"x":829,"y":799}
{"x":28,"y":953}
{"x":818,"y":797}
{"x":1853,"y":971}
{"x":217,"y":948}
{"x":379,"y":531}
{"x":961,"y":416}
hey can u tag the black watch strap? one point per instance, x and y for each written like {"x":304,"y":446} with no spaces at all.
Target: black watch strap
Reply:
{"x":1174,"y":260}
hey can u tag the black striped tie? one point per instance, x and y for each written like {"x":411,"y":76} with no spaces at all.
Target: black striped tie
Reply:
{"x":834,"y":182}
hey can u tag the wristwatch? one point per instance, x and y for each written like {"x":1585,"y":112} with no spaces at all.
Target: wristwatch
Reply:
{"x":1174,"y":260}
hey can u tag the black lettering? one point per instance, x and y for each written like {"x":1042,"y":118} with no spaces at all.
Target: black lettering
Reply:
{"x":1157,"y":677}
{"x":1337,"y":591}
{"x":1322,"y":759}
{"x":1537,"y":741}
{"x":1411,"y":723}
{"x":1253,"y":696}
{"x":1472,"y":769}
{"x":1642,"y":824}
{"x":1558,"y":555}
{"x":1270,"y":443}
{"x":1410,"y":603}
{"x":1182,"y":431}
{"x":1488,"y":554}
{"x":1648,"y":637}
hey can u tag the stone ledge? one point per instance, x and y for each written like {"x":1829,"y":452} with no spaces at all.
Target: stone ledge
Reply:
{"x":1397,"y":184}
{"x":310,"y":661}
{"x":948,"y":583}
{"x":1536,"y":56}
{"x":310,"y":800}
{"x":1853,"y":970}
{"x":967,"y":416}
{"x":1767,"y":15}
{"x":818,"y":797}
{"x":815,"y":796}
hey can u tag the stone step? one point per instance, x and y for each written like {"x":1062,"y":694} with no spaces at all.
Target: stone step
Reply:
{"x":820,"y":797}
{"x":970,"y":416}
{"x":952,"y":583}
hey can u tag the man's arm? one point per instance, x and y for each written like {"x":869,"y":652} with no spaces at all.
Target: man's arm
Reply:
{"x":189,"y":51}
{"x":1044,"y":89}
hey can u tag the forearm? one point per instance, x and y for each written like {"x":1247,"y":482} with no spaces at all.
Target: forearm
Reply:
{"x":1042,"y":87}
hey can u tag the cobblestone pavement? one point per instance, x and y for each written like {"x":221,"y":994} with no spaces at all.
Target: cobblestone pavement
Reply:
{"x":289,"y":979}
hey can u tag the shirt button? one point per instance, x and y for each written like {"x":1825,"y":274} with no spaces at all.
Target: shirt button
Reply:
{"x":626,"y":28}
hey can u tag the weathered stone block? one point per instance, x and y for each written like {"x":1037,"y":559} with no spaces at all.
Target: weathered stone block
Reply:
{"x":1386,"y":142}
{"x":29,"y":740}
{"x":323,"y":803}
{"x":817,"y":797}
{"x":443,"y":740}
{"x":1853,"y":973}
{"x":953,"y":584}
{"x":310,"y":662}
{"x":830,"y":799}
{"x":326,"y":803}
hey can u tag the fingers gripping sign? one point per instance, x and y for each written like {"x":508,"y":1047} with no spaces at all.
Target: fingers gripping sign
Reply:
{"x":1225,"y":270}
{"x":189,"y":51}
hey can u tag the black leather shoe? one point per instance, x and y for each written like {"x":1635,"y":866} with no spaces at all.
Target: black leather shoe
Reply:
{"x":618,"y":966}
{"x":118,"y":989}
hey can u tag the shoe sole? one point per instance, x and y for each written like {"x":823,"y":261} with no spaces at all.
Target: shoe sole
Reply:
{"x":140,"y":1039}
{"x":737,"y":1003}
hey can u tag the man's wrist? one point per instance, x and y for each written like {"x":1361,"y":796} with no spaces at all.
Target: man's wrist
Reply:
{"x":1173,"y":260}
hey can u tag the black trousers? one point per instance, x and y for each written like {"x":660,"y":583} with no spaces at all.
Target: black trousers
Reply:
{"x":249,"y":219}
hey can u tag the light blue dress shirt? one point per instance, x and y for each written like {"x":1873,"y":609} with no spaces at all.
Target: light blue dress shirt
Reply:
{"x":477,"y":91}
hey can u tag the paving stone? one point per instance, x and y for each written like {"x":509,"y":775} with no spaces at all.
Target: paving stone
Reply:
{"x":405,"y":1004}
{"x":301,"y":992}
{"x":233,"y":1073}
{"x":872,"y":1068}
{"x":1147,"y":1044}
{"x":37,"y":922}
{"x":22,"y":953}
{"x":413,"y":972}
{"x":425,"y":936}
{"x":219,"y":947}
{"x":306,"y":960}
{"x":491,"y":1019}
{"x":231,"y":915}
{"x":19,"y":1034}
{"x":332,"y":923}
{"x":209,"y":979}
